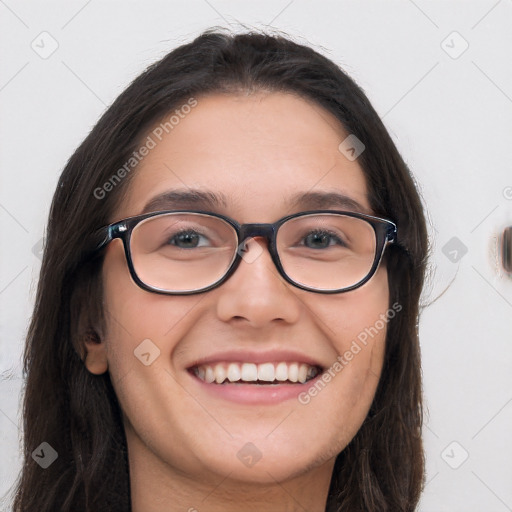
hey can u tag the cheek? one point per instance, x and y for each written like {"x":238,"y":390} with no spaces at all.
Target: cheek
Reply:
{"x":360,"y":315}
{"x":138,"y":321}
{"x":356,"y":325}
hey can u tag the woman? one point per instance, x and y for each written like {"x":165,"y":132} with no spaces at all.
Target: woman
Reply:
{"x":227,"y":309}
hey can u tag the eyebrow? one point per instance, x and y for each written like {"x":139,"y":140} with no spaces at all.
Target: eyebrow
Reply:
{"x":185,"y":199}
{"x":198,"y":199}
{"x":326,"y":200}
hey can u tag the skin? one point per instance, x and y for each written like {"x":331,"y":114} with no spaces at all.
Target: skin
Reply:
{"x":258,"y":150}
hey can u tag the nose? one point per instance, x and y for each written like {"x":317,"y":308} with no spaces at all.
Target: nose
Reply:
{"x":256,"y":294}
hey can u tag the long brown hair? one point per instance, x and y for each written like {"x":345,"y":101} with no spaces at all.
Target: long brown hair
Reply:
{"x":77,"y":413}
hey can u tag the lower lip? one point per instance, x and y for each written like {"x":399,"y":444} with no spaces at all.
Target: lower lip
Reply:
{"x":256,"y":394}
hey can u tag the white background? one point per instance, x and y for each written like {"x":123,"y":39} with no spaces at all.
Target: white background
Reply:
{"x":450,"y":117}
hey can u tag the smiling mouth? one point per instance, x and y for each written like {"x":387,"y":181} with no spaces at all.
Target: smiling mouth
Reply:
{"x":250,"y":373}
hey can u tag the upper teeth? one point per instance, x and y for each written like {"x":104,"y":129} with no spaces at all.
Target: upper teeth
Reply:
{"x":250,"y":372}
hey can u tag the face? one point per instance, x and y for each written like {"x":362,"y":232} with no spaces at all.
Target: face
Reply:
{"x":257,"y":154}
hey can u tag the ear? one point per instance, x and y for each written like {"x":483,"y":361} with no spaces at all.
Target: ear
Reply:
{"x":96,"y":360}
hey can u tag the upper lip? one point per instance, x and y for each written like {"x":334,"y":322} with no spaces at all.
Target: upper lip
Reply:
{"x":245,"y":356}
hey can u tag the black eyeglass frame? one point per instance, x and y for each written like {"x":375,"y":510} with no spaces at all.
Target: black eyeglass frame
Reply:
{"x":384,"y":229}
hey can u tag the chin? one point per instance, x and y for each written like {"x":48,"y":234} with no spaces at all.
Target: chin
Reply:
{"x":262,"y":463}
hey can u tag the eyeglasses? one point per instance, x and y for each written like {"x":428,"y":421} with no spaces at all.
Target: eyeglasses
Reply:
{"x":187,"y":252}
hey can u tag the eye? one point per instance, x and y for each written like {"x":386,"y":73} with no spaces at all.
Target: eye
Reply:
{"x":188,"y":240}
{"x":322,"y":240}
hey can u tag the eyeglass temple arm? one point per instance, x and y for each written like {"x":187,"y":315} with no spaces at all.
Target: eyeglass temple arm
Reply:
{"x":392,"y":238}
{"x":100,"y":238}
{"x":391,"y":234}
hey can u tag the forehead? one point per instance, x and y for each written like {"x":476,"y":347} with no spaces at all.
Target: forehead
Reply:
{"x":256,"y":152}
